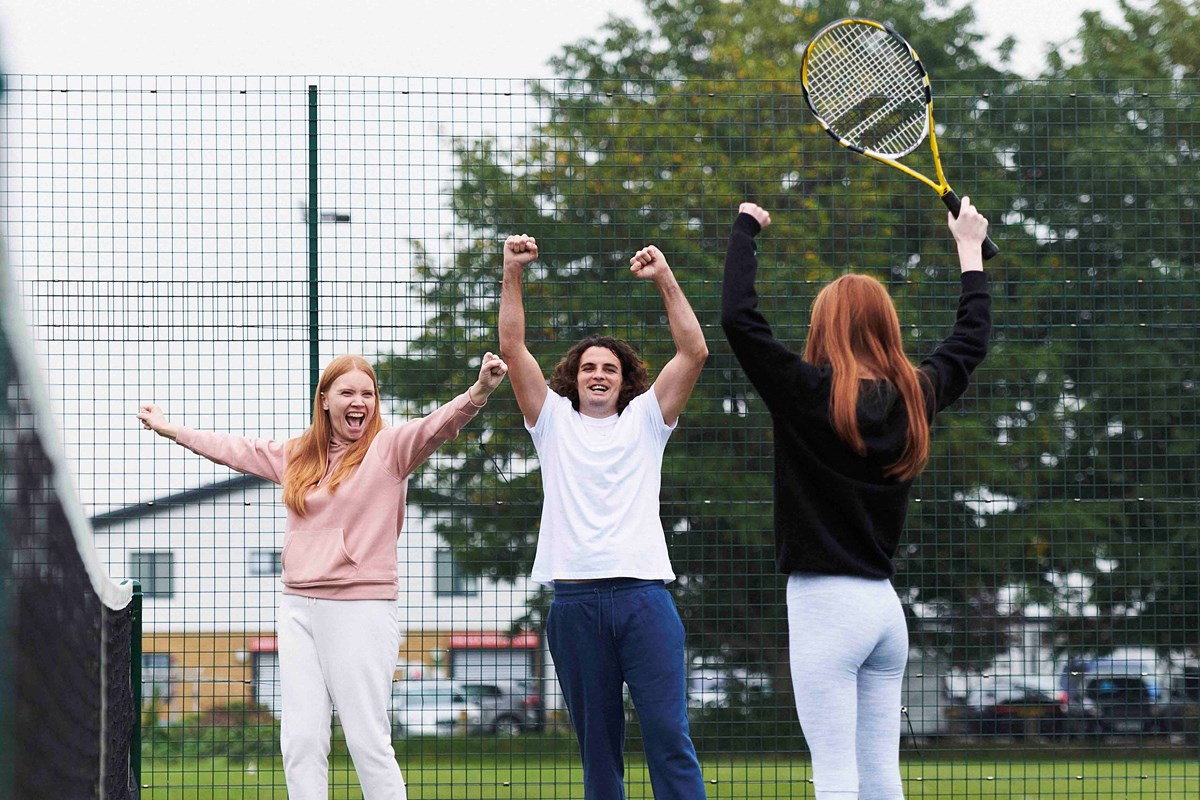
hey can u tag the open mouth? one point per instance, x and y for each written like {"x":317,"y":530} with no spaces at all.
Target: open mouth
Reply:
{"x":355,"y":422}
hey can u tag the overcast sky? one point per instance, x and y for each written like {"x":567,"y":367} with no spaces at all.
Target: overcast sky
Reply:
{"x":476,"y":38}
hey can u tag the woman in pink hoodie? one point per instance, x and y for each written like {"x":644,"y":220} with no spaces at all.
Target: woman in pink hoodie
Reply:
{"x":344,"y":482}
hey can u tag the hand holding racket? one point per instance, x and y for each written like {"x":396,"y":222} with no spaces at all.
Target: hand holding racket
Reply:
{"x":870,"y":92}
{"x":969,"y":229}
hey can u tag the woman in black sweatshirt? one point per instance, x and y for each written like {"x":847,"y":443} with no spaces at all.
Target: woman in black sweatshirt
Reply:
{"x":851,"y":418}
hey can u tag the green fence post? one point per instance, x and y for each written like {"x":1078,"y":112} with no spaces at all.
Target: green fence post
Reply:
{"x":314,"y":219}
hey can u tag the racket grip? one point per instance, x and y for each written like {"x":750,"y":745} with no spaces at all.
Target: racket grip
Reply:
{"x":952,"y":202}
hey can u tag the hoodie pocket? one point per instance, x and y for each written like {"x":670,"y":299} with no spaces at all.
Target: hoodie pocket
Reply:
{"x":315,"y":557}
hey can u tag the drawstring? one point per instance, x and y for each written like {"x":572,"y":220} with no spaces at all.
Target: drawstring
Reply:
{"x":603,"y":599}
{"x":612,"y":611}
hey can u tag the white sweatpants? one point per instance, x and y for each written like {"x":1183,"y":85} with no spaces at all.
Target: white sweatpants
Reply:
{"x":343,"y":653}
{"x":849,"y":648}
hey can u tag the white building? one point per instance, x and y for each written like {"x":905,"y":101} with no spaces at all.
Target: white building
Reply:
{"x":209,"y":563}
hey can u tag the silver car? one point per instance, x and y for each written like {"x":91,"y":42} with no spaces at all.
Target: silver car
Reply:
{"x":503,"y":708}
{"x":428,"y":708}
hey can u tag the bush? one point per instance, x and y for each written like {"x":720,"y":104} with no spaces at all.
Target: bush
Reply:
{"x":237,"y":732}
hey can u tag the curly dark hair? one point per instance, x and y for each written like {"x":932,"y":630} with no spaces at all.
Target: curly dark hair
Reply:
{"x":634,"y":378}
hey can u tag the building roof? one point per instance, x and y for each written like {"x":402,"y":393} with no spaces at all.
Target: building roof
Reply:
{"x":217,"y":489}
{"x":110,"y":518}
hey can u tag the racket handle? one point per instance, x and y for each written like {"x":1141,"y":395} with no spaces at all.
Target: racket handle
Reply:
{"x":955,"y":205}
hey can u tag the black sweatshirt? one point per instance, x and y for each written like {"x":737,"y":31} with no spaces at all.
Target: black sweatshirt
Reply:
{"x":836,"y":512}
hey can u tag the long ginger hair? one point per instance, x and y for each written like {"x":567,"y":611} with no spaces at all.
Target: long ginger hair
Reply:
{"x":308,"y":453}
{"x":855,"y":331}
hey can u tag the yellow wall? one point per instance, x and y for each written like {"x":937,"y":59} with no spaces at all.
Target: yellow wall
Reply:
{"x":209,"y":669}
{"x":213,"y":670}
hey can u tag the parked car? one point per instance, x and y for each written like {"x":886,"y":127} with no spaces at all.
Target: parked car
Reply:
{"x":1011,"y":706}
{"x":428,"y":707}
{"x":507,"y":708}
{"x":1123,"y":693}
{"x":1180,"y":717}
{"x":1120,"y":703}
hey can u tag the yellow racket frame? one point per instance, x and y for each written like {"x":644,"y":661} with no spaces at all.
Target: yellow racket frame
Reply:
{"x":941,"y":185}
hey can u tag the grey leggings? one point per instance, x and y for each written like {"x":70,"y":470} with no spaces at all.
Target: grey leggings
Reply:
{"x":849,"y":648}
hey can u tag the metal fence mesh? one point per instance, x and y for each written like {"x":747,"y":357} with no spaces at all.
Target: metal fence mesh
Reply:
{"x":203,"y":242}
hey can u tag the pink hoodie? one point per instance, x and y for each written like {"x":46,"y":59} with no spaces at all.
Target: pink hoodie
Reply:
{"x":344,"y":548}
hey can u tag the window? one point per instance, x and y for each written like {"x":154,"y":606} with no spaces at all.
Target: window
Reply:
{"x":156,"y":570}
{"x":449,"y":581}
{"x":265,"y":562}
{"x":266,"y":682}
{"x":1189,"y":683}
{"x":480,"y":691}
{"x":157,"y":680}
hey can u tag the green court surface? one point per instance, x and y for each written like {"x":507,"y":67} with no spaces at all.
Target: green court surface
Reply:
{"x":524,"y":777}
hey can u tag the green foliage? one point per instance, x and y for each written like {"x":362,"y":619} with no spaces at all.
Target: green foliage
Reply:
{"x":1083,"y":419}
{"x":1155,"y":42}
{"x":237,"y":732}
{"x":1094,"y":373}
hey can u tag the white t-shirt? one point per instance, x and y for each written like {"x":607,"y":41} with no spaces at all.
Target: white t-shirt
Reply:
{"x":601,"y":480}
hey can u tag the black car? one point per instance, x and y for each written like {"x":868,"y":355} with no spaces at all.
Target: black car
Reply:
{"x":1121,"y":704}
{"x":1180,"y":716}
{"x":1123,"y":694}
{"x":1015,"y":710}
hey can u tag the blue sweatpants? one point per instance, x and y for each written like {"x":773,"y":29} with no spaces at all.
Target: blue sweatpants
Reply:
{"x":603,"y":634}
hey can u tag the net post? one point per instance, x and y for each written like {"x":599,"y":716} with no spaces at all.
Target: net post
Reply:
{"x":135,"y":680}
{"x":8,"y":717}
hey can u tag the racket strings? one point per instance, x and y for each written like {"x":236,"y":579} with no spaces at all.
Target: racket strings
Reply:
{"x":868,"y":89}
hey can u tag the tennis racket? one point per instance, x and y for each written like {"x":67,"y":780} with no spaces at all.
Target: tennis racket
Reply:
{"x":870,"y":92}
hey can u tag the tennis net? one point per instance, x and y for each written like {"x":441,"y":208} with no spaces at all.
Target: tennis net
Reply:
{"x":67,"y":708}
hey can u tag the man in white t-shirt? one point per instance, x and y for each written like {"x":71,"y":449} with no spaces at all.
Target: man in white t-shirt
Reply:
{"x":600,"y":429}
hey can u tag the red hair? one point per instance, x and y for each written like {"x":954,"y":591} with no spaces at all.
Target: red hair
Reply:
{"x":308,"y":453}
{"x":856,"y":332}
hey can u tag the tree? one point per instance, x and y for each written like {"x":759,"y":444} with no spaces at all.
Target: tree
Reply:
{"x":1102,"y":395}
{"x":1090,"y":384}
{"x":655,"y":135}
